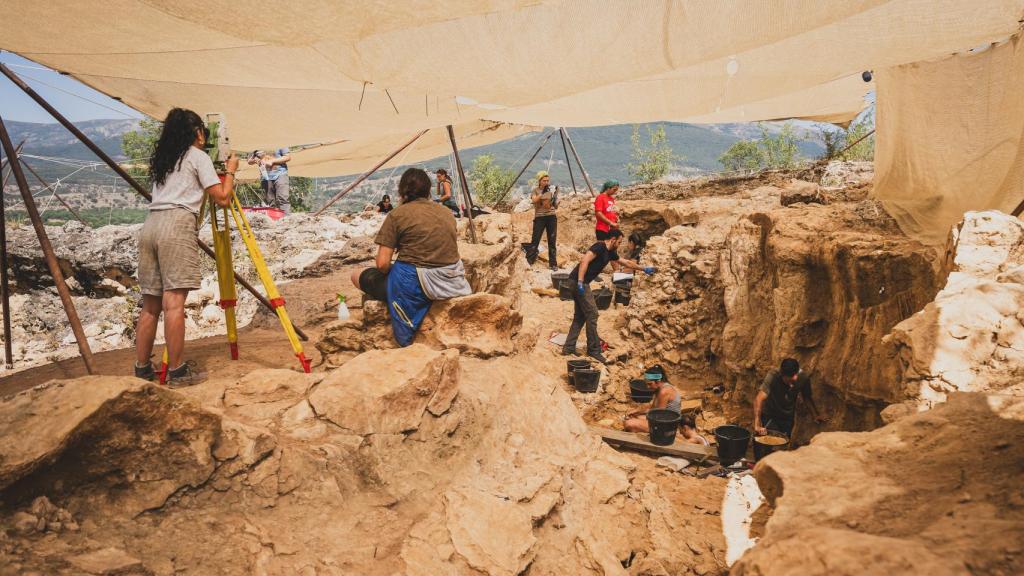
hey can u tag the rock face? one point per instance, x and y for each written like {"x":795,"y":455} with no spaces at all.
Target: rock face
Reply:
{"x":410,"y":461}
{"x":495,"y":264}
{"x":482,"y":325}
{"x":934,"y":493}
{"x":971,"y":338}
{"x":752,"y":283}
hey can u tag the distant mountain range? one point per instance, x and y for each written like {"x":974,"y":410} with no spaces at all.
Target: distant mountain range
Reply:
{"x":605,"y":150}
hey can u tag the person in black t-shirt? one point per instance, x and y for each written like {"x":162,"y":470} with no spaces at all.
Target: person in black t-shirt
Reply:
{"x":775,"y":404}
{"x":585,"y":312}
{"x":385,"y":206}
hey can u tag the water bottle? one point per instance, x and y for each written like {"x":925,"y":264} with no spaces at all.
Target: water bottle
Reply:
{"x":343,"y":313}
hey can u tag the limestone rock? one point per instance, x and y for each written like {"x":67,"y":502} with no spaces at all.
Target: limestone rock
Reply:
{"x":388,"y":391}
{"x":801,"y":191}
{"x":77,"y":426}
{"x":481,"y":325}
{"x":472,"y":519}
{"x":930,"y":505}
{"x":108,"y":562}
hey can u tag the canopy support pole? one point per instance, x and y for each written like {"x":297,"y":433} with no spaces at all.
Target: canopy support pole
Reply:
{"x":54,"y":190}
{"x":48,"y":254}
{"x":568,"y":162}
{"x":465,"y":185}
{"x":125,"y":176}
{"x":525,"y":166}
{"x":368,"y":173}
{"x":579,"y":162}
{"x":5,"y":288}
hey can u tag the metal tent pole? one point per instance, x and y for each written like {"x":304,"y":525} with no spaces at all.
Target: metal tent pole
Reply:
{"x":54,"y":190}
{"x":568,"y":162}
{"x":527,"y":165}
{"x":465,"y":186}
{"x":51,"y":258}
{"x":125,"y":176}
{"x":586,"y":178}
{"x":368,"y":173}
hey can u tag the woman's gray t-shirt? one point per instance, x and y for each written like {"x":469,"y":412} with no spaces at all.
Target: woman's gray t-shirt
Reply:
{"x":184,"y":186}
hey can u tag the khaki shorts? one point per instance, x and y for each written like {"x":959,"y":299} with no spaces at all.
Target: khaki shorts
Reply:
{"x":168,"y":252}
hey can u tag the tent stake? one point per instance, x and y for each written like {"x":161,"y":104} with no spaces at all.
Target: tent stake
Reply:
{"x":568,"y":163}
{"x":54,"y":190}
{"x":579,"y":162}
{"x":368,"y":173}
{"x":124,"y":176}
{"x":525,"y":166}
{"x":51,"y":258}
{"x":465,"y":185}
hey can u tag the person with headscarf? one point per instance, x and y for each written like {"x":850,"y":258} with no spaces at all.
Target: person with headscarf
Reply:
{"x":545,"y":220}
{"x":604,"y":210}
{"x":666,"y":397}
{"x":181,"y":172}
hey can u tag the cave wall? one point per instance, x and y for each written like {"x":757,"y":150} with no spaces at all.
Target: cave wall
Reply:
{"x":755,"y":282}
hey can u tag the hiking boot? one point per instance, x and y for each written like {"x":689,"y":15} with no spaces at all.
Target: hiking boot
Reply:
{"x":147,"y":372}
{"x":599,"y":357}
{"x":569,"y":352}
{"x":184,"y":375}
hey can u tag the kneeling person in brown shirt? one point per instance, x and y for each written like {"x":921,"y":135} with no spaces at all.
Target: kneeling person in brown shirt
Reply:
{"x":424,"y":235}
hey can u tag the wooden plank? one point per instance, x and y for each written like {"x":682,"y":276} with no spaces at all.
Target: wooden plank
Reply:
{"x":640,"y":441}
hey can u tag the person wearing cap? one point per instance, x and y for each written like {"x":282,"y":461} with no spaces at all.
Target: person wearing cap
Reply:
{"x":585,"y":308}
{"x":604,"y":209}
{"x":545,"y":202}
{"x":666,"y":397}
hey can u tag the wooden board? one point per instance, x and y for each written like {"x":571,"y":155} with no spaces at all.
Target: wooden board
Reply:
{"x":640,"y":441}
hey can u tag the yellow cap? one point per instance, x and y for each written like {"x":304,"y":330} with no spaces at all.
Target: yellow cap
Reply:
{"x":542,"y":174}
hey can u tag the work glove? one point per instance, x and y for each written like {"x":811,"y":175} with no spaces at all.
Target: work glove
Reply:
{"x":650,"y":270}
{"x":580,"y":286}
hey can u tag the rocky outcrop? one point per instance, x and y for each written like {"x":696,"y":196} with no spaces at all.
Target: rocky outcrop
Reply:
{"x":495,"y":263}
{"x":971,"y":338}
{"x":410,"y":461}
{"x":481,"y":325}
{"x":934,"y":493}
{"x":753,"y":283}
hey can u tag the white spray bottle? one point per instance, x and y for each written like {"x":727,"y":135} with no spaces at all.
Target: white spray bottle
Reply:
{"x":342,"y":308}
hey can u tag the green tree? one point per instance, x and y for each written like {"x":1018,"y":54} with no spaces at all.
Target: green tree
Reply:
{"x":138,"y":146}
{"x":489,"y":180}
{"x":653,"y":162}
{"x":778,"y":150}
{"x":837,"y":139}
{"x":743,"y":155}
{"x":300,"y":193}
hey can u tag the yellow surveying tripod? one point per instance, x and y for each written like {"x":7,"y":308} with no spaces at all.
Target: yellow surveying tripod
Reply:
{"x":226,"y":278}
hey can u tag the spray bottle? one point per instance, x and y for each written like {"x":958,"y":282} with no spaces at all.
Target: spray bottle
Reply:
{"x":342,"y":308}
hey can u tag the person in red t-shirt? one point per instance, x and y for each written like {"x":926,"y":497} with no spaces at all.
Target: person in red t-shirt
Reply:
{"x":604,"y":210}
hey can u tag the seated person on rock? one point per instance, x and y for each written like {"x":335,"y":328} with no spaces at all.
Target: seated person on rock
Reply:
{"x":666,"y":397}
{"x":688,"y":428}
{"x":585,"y":308}
{"x":775,"y":404}
{"x":428,"y":266}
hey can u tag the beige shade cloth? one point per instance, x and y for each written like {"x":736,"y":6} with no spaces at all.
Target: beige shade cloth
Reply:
{"x":312,"y":71}
{"x":356,"y":157}
{"x":949,"y":137}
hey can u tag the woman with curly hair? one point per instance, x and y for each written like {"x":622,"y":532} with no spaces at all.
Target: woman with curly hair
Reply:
{"x":181,"y":172}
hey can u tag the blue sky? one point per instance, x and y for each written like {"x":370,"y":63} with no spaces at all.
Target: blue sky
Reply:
{"x":73,"y":99}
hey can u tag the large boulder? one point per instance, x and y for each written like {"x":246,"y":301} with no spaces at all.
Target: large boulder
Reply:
{"x":481,"y":325}
{"x":971,"y":338}
{"x":96,"y":437}
{"x":388,"y":391}
{"x":937,"y":493}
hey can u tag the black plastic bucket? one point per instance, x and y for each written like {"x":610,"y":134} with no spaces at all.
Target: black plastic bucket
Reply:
{"x":603,"y":298}
{"x":558,"y":278}
{"x":586,"y":380}
{"x":732,"y":443}
{"x":623,"y":289}
{"x":663,"y":425}
{"x":763,"y":445}
{"x":574,"y":365}
{"x":639,"y":392}
{"x":566,"y":288}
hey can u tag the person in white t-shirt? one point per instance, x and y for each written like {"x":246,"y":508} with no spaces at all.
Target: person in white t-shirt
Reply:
{"x":181,"y":172}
